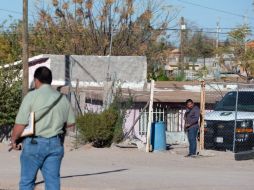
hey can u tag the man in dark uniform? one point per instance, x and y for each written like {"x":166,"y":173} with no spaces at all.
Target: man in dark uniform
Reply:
{"x":191,"y":126}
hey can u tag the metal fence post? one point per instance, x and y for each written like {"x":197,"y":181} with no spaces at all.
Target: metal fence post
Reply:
{"x":236,"y":108}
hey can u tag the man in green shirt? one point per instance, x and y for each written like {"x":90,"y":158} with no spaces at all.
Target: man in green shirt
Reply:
{"x":44,"y":150}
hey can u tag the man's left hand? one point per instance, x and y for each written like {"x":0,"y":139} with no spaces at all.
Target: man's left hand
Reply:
{"x":15,"y":146}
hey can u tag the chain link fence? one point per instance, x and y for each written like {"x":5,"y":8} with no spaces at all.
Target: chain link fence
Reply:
{"x":229,"y":117}
{"x":244,"y":118}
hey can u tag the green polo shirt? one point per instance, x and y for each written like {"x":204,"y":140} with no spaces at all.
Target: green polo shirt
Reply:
{"x":39,"y":102}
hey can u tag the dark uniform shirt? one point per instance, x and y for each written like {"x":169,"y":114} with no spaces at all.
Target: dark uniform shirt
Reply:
{"x":191,"y":117}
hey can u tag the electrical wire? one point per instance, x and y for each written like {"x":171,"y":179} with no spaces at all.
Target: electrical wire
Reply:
{"x":10,"y":11}
{"x":115,"y":31}
{"x":215,"y":9}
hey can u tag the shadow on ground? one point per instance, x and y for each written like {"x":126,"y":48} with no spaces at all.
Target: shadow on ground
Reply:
{"x":83,"y":175}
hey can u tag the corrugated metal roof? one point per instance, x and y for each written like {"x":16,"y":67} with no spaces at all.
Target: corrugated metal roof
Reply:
{"x":167,"y":92}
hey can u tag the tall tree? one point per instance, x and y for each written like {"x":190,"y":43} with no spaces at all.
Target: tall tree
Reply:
{"x":10,"y":77}
{"x":198,"y":45}
{"x":11,"y":92}
{"x":244,"y":55}
{"x":116,"y":27}
{"x":10,"y":49}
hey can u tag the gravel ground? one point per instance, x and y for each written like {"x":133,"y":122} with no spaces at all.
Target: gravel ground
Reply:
{"x":114,"y":168}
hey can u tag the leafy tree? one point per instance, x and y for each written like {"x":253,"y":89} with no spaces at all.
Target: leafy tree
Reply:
{"x":10,"y":78}
{"x":116,"y":27}
{"x":248,"y":63}
{"x":244,"y":56}
{"x":10,"y":46}
{"x":10,"y":97}
{"x":198,"y":45}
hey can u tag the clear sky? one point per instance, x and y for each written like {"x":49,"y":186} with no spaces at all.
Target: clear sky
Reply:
{"x":204,"y":13}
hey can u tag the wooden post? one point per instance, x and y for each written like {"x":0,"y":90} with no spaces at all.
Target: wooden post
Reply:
{"x":25,"y":48}
{"x":150,"y":115}
{"x":136,"y":120}
{"x":202,"y":113}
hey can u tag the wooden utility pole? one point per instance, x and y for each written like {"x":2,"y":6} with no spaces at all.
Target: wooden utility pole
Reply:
{"x":202,"y":113}
{"x":150,"y":115}
{"x":25,"y":48}
{"x":181,"y":58}
{"x":217,"y":38}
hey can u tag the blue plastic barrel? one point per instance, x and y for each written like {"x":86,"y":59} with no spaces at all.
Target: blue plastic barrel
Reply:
{"x":158,"y":139}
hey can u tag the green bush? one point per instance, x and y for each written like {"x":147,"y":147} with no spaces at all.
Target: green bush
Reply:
{"x":159,"y":75}
{"x":102,"y":129}
{"x":120,"y":105}
{"x":98,"y":129}
{"x":162,"y":78}
{"x":180,"y":77}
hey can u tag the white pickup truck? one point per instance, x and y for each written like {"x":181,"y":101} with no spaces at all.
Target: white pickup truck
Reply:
{"x":229,"y":121}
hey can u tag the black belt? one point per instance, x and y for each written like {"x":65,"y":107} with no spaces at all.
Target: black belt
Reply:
{"x":59,"y":135}
{"x":33,"y":138}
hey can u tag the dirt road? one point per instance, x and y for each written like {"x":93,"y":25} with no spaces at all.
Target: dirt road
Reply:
{"x":114,"y":168}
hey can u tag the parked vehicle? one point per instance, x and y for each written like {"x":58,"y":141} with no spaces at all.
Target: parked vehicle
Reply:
{"x":220,"y":130}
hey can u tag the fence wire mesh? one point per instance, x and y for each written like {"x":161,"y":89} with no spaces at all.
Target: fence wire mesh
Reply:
{"x":229,"y":117}
{"x":244,"y":118}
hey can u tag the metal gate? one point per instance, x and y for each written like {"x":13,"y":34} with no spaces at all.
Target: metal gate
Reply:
{"x":173,"y":119}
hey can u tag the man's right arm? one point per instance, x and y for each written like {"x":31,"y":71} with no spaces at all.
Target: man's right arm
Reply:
{"x":194,"y":116}
{"x":21,"y":121}
{"x":16,"y":133}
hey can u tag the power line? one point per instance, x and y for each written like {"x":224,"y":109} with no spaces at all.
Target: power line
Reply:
{"x":201,"y":30}
{"x":198,"y":30}
{"x":10,"y":11}
{"x":191,"y":28}
{"x":15,"y":12}
{"x":215,"y":9}
{"x":83,"y":33}
{"x":234,"y":28}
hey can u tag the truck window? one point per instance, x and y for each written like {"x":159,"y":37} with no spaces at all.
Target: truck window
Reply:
{"x":245,"y":102}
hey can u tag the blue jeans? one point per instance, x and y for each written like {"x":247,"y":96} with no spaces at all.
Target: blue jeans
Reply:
{"x":45,"y":154}
{"x":192,"y":138}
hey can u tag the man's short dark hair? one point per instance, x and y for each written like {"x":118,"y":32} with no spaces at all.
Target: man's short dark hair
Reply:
{"x":189,"y":101}
{"x":43,"y":74}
